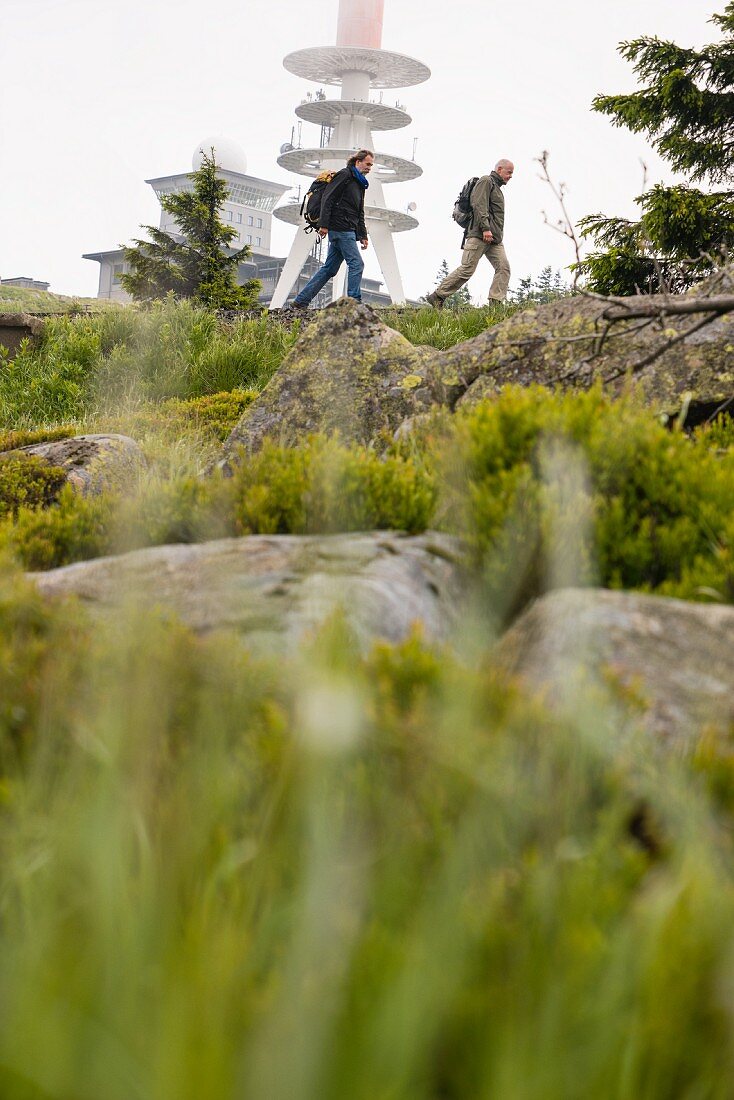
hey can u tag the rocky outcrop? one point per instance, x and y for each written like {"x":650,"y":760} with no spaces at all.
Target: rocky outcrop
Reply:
{"x":17,"y":327}
{"x":348,"y":373}
{"x":93,"y":463}
{"x":275,"y":589}
{"x":568,"y":343}
{"x":672,"y":661}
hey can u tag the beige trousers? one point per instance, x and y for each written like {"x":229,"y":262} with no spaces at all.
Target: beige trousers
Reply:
{"x":474,"y":249}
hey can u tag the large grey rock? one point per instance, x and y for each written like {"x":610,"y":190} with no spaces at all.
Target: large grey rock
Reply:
{"x":348,"y":373}
{"x":274,"y":589}
{"x":673,"y":658}
{"x":93,"y":463}
{"x":560,"y":344}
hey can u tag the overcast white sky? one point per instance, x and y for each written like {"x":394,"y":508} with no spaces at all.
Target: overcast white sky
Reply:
{"x":99,"y":95}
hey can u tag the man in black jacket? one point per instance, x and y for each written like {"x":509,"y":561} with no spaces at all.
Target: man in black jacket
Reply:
{"x":342,"y":218}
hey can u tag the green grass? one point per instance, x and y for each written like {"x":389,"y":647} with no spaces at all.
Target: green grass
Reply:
{"x":337,"y":875}
{"x":95,"y":366}
{"x":444,"y":328}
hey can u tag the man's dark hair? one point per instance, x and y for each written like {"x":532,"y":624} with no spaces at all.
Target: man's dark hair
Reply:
{"x":359,"y":156}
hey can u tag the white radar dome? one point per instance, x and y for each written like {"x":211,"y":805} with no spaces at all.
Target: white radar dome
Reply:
{"x":227,"y":153}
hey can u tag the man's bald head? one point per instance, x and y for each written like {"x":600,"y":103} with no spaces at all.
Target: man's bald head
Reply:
{"x":504,"y":169}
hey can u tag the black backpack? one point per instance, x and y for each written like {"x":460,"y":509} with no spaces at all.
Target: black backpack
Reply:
{"x":462,"y":207}
{"x":311,"y":205}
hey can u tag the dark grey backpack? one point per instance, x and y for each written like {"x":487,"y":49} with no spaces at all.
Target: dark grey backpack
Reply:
{"x":462,"y":207}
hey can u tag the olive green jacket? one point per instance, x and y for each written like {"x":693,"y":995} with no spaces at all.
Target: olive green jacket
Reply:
{"x":488,"y":208}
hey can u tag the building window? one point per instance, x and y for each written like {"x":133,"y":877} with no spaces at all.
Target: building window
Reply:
{"x":229,"y":216}
{"x":249,"y":195}
{"x":258,"y":240}
{"x":249,"y":238}
{"x":259,"y":223}
{"x":239,"y":218}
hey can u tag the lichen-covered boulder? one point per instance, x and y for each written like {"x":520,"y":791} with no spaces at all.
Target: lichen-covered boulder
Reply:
{"x":668,"y":663}
{"x":93,"y":463}
{"x":569,"y":344}
{"x":348,"y":373}
{"x":274,"y":589}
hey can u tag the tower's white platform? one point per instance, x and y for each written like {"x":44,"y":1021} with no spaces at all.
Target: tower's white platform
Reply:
{"x":397,"y":221}
{"x":328,"y":64}
{"x":327,"y":112}
{"x":310,"y":162}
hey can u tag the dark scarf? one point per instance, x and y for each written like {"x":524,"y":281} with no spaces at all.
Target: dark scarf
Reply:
{"x":358,"y":176}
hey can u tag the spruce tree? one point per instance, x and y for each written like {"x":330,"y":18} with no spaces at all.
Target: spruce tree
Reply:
{"x":199,"y":266}
{"x":686,"y":107}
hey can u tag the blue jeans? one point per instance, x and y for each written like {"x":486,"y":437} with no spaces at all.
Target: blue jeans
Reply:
{"x":342,"y":246}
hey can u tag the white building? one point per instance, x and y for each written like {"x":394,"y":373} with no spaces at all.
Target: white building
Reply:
{"x":248,"y":208}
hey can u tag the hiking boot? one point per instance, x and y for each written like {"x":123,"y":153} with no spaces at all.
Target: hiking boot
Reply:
{"x":434,"y":300}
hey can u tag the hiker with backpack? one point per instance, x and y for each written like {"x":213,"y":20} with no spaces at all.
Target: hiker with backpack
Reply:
{"x":480,"y":210}
{"x":341,"y":216}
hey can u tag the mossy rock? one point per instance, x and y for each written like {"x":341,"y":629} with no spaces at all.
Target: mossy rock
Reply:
{"x":670,"y":661}
{"x":92,"y":464}
{"x":348,"y":374}
{"x":569,"y":344}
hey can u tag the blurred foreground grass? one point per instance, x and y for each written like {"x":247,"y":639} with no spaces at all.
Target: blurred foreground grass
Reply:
{"x":381,"y":876}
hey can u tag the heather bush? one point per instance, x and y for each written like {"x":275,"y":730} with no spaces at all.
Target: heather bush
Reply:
{"x":325,"y":486}
{"x":652,"y":500}
{"x":27,"y":481}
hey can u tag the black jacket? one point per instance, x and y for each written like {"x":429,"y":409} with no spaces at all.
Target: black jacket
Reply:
{"x":342,"y":207}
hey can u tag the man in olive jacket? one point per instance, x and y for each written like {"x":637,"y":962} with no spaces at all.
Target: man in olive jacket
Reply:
{"x":483,"y":238}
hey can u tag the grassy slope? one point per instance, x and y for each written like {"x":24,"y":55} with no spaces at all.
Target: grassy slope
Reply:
{"x":384,"y":878}
{"x":18,"y":300}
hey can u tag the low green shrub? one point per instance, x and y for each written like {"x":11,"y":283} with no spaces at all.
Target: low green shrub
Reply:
{"x":27,"y":481}
{"x":325,"y":486}
{"x":645,"y":502}
{"x":210,"y":417}
{"x":551,"y":488}
{"x":719,"y":434}
{"x":11,"y":441}
{"x":75,"y":529}
{"x":183,"y":510}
